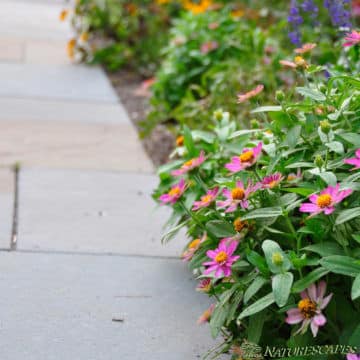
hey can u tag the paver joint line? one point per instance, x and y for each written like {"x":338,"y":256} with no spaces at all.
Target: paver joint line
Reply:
{"x":14,"y":230}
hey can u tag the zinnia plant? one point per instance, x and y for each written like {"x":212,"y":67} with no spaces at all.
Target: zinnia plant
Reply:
{"x":279,"y":204}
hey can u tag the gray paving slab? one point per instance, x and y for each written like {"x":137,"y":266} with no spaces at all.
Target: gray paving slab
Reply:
{"x":56,"y":82}
{"x":7,"y":187}
{"x":57,"y":307}
{"x":76,"y":145}
{"x":46,"y":52}
{"x":11,"y":50}
{"x":36,"y":20}
{"x":25,"y":109}
{"x":99,"y":212}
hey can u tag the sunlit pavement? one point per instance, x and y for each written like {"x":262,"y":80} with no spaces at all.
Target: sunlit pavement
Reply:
{"x":83,"y":273}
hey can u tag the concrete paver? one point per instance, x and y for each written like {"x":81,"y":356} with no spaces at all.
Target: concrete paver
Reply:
{"x":66,"y":210}
{"x":63,"y":82}
{"x":78,"y":145}
{"x":61,"y":307}
{"x":7,"y":187}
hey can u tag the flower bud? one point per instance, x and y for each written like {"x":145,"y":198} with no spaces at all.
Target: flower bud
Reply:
{"x":180,"y":141}
{"x":277,"y":259}
{"x":325,"y":126}
{"x":254,"y":124}
{"x":279,"y":95}
{"x":323,"y":88}
{"x":266,"y":141}
{"x":218,"y":114}
{"x":319,"y":162}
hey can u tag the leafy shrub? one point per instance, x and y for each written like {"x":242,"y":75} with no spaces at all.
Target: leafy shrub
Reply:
{"x":211,"y":57}
{"x":273,"y":217}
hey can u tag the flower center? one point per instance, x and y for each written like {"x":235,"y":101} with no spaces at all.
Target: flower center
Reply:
{"x":238,"y":193}
{"x":174,"y":191}
{"x":324,"y":200}
{"x":206,"y":198}
{"x":180,"y":141}
{"x":221,"y":257}
{"x":194,"y":244}
{"x":307,"y":308}
{"x":247,"y":156}
{"x":188,"y":163}
{"x":239,"y":225}
{"x":291,"y":177}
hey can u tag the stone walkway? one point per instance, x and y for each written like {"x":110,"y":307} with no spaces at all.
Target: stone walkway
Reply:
{"x":83,"y":273}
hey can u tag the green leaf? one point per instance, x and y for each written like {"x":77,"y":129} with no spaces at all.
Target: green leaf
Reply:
{"x":300,"y":191}
{"x":292,"y":136}
{"x":311,"y":93}
{"x":325,"y":249}
{"x":256,"y":324}
{"x":270,"y":248}
{"x":336,"y":147}
{"x":188,"y":142}
{"x":355,"y":336}
{"x":355,"y":289}
{"x":328,"y":177}
{"x":281,"y":285}
{"x":352,"y":138}
{"x":220,"y":228}
{"x":263,"y":213}
{"x":344,"y":265}
{"x":356,"y":237}
{"x":203,"y":135}
{"x":172,"y":232}
{"x":300,"y":164}
{"x":258,"y":261}
{"x":255,"y":286}
{"x":346,"y":215}
{"x":257,"y":306}
{"x":266,"y":109}
{"x":218,"y":319}
{"x":309,"y":279}
{"x":243,"y":132}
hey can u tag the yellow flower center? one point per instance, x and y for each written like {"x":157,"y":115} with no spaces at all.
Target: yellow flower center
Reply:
{"x":206,"y":198}
{"x":272,"y":184}
{"x":307,"y":308}
{"x":238,"y":193}
{"x":188,"y":163}
{"x":324,"y":200}
{"x":239,"y":225}
{"x":175,"y":191}
{"x":291,"y":177}
{"x":221,"y":257}
{"x":180,"y":141}
{"x":194,"y":244}
{"x":247,"y":156}
{"x":299,"y":61}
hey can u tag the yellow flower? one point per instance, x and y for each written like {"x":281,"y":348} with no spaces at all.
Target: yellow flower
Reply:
{"x":71,"y":48}
{"x":63,"y":15}
{"x":197,"y":7}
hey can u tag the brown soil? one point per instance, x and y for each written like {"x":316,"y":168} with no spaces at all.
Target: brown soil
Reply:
{"x":128,"y":86}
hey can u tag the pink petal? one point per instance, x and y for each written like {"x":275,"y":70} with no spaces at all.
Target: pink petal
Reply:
{"x":232,"y":247}
{"x":329,"y":210}
{"x":321,"y":289}
{"x":219,"y":272}
{"x":313,"y":198}
{"x":357,"y":153}
{"x":324,"y":303}
{"x":231,"y":208}
{"x":314,"y":328}
{"x":294,"y":319}
{"x":319,"y":320}
{"x":310,"y":208}
{"x":312,"y":292}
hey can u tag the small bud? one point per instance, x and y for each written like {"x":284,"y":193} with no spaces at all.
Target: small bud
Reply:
{"x":240,"y":225}
{"x":259,"y":136}
{"x":319,"y":110}
{"x":254,"y":124}
{"x":319,"y":162}
{"x":218,"y":114}
{"x":180,"y":141}
{"x":266,"y":141}
{"x":325,"y":126}
{"x":277,"y":259}
{"x":279,"y":95}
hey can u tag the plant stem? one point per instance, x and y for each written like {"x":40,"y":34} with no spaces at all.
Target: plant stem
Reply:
{"x":200,"y":182}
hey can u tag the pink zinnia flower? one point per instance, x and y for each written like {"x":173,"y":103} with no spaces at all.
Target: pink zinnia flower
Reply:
{"x":353,"y":357}
{"x":309,"y":309}
{"x":326,"y":201}
{"x":189,"y":165}
{"x":354,"y":161}
{"x":204,"y":285}
{"x":352,"y":38}
{"x":193,"y":247}
{"x":305,"y":48}
{"x":174,"y":194}
{"x":205,"y":317}
{"x":288,"y":64}
{"x":271,"y":181}
{"x":222,"y":258}
{"x":250,"y":94}
{"x":237,"y":196}
{"x":208,"y":46}
{"x":294,"y":177}
{"x":206,"y":200}
{"x":245,"y":160}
